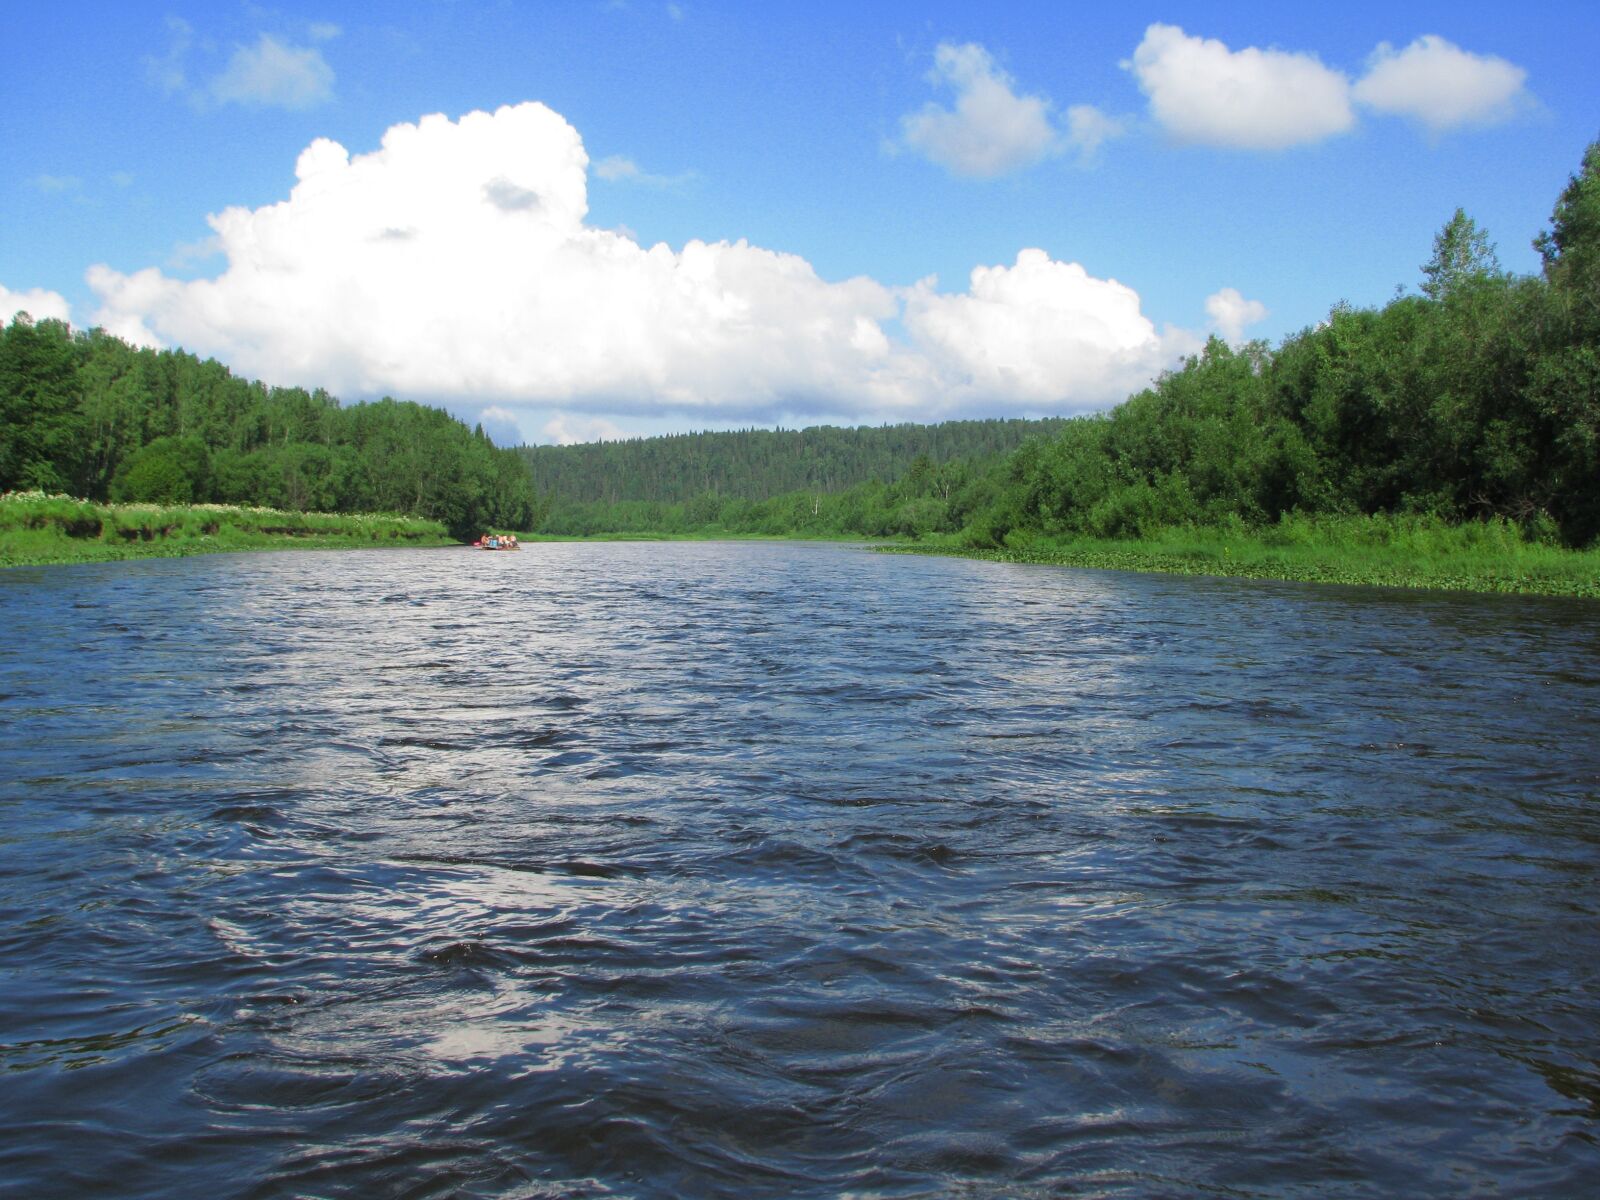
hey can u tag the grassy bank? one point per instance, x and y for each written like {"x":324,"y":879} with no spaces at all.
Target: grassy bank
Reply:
{"x":1381,"y":551}
{"x":36,"y":528}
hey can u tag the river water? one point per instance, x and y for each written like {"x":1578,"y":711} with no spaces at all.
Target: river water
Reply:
{"x":761,"y":870}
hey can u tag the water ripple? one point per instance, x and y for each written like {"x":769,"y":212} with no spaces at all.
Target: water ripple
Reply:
{"x":764,"y":870}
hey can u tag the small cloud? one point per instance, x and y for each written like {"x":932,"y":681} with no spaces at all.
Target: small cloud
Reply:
{"x":501,"y":425}
{"x":36,"y":302}
{"x":991,"y":130}
{"x":617,"y":168}
{"x":1088,"y":129}
{"x":1441,"y":85}
{"x":564,"y":429}
{"x":323,"y":31}
{"x":274,"y":74}
{"x":121,"y":179}
{"x":1231,"y":313}
{"x":55,"y":184}
{"x":186,"y":256}
{"x":676,"y":12}
{"x":1202,"y":92}
{"x":168,"y":72}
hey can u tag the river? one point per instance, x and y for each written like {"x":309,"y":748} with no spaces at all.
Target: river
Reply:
{"x":768,"y":870}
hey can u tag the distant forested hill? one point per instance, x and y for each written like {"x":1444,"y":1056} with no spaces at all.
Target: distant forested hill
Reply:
{"x":87,"y":414}
{"x":756,"y":464}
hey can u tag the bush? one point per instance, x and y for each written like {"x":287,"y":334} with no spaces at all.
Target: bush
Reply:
{"x":168,"y":470}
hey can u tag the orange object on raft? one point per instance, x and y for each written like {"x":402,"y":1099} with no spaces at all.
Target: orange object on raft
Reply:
{"x":493,"y":541}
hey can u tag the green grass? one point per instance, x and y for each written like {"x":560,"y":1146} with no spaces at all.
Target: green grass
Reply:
{"x":1381,"y":551}
{"x":36,"y":528}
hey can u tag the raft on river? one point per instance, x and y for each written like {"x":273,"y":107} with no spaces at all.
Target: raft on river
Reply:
{"x":493,"y":541}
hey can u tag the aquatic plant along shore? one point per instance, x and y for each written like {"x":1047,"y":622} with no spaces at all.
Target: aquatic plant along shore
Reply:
{"x":1377,"y":551}
{"x":37,"y":528}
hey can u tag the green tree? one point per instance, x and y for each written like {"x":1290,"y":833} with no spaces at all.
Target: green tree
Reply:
{"x":1462,"y":254}
{"x":41,"y":431}
{"x":1570,"y":247}
{"x":169,"y":470}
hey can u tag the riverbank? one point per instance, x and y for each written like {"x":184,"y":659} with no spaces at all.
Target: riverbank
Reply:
{"x":1377,"y":551}
{"x":38,"y":529}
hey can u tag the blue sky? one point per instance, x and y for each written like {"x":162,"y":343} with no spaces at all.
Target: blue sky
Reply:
{"x":820,"y":183}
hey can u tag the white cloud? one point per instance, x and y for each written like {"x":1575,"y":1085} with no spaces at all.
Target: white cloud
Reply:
{"x":1441,"y":85}
{"x":56,"y":183}
{"x":992,"y":130}
{"x":1039,"y":333}
{"x":1231,"y":313}
{"x":1088,"y":128}
{"x":617,"y":168}
{"x":500,"y":424}
{"x":274,"y":74}
{"x":186,"y":256}
{"x":1200,"y":91}
{"x":454,"y":264}
{"x":168,"y":72}
{"x":564,"y":429}
{"x":36,"y":302}
{"x":270,"y":74}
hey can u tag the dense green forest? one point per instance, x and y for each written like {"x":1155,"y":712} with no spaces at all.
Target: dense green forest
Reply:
{"x":755,"y":464}
{"x":1476,"y":399}
{"x":87,"y":414}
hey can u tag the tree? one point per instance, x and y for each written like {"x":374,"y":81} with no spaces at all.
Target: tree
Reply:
{"x":41,"y":431}
{"x":169,"y":470}
{"x":1462,"y":253}
{"x":1570,"y":248}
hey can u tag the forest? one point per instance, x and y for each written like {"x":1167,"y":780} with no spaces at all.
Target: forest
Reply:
{"x":87,"y":415}
{"x":755,"y":464}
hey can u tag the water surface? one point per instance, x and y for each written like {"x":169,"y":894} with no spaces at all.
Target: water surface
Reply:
{"x":759,"y":870}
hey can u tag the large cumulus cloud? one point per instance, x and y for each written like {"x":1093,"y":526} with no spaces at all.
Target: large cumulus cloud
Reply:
{"x":1033,"y":332}
{"x":454,"y":263}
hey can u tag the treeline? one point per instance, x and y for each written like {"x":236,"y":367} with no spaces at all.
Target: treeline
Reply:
{"x":89,"y":415}
{"x":1478,"y":398}
{"x":756,"y":464}
{"x":928,"y":497}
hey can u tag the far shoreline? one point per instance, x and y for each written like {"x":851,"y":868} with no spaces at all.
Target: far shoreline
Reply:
{"x":1486,"y":559}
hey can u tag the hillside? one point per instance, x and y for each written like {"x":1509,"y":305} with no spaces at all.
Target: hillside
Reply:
{"x":756,"y":464}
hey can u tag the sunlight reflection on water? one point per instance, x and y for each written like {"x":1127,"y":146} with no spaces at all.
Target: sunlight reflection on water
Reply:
{"x":656,"y":870}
